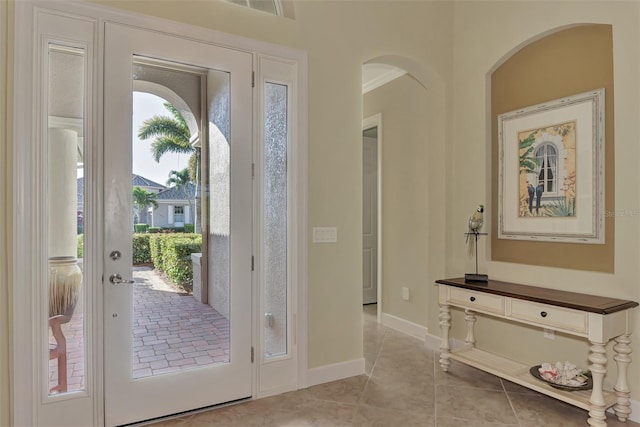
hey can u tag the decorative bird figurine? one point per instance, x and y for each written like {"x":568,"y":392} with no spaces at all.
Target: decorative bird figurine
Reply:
{"x":475,"y":224}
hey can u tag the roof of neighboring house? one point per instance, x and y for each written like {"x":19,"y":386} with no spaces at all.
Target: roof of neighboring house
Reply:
{"x":175,"y":193}
{"x":141,"y":181}
{"x":136,"y":181}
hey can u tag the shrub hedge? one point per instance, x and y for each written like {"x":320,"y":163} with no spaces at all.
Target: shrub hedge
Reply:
{"x":80,"y":251}
{"x":140,"y":228}
{"x":176,"y":258}
{"x":155,"y":248}
{"x":141,"y":250}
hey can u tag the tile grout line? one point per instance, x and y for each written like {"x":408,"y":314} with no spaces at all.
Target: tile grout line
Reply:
{"x":513,"y":409}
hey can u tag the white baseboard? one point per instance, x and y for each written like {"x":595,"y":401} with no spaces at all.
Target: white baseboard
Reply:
{"x":335,"y":371}
{"x":432,"y":342}
{"x":274,"y":391}
{"x":635,"y":411}
{"x":404,"y":326}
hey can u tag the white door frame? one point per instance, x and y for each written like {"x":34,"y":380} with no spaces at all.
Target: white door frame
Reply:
{"x":129,"y":401}
{"x":375,"y":121}
{"x":28,"y":406}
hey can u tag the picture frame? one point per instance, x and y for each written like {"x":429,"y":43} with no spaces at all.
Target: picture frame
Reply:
{"x":551,"y":171}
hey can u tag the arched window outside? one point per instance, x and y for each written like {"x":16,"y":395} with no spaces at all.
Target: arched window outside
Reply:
{"x":546,"y":159}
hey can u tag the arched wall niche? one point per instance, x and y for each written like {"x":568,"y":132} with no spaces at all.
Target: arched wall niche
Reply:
{"x":559,"y":63}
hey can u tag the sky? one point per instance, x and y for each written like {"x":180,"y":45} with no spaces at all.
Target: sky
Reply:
{"x":146,"y":106}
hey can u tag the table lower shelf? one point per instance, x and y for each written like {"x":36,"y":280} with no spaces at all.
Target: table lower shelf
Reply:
{"x":518,"y":373}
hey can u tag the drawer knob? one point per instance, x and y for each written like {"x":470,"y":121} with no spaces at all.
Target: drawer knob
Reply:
{"x":543,"y":313}
{"x":472,"y":299}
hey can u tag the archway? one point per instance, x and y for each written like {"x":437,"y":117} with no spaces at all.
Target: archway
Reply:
{"x":412,"y":109}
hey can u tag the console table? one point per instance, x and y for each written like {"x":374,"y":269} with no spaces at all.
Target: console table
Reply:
{"x":597,"y":319}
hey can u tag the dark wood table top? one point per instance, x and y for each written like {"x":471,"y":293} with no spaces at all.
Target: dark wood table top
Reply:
{"x":574,"y":300}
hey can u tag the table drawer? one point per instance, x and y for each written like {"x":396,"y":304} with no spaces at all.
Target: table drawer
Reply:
{"x":476,"y":300}
{"x":548,"y":315}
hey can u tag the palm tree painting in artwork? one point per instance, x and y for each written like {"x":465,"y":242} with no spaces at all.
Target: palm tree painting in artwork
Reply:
{"x":547,"y":166}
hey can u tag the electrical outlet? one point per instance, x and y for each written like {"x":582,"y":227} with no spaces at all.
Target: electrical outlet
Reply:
{"x":405,"y":293}
{"x":549,"y":334}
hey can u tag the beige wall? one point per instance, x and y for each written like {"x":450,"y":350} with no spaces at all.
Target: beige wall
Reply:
{"x":405,"y":192}
{"x":486,"y":32}
{"x":339,"y":37}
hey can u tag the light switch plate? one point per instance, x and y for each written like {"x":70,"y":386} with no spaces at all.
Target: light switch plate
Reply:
{"x":325,"y":234}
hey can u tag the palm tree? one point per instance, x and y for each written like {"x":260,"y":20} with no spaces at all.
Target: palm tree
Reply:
{"x":142,"y":199}
{"x":181,"y":180}
{"x":172,"y":135}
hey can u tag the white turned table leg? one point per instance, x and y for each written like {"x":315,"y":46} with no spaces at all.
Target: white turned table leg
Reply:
{"x":597,"y":404}
{"x":470,"y":318}
{"x":622,"y":350}
{"x":445,"y":346}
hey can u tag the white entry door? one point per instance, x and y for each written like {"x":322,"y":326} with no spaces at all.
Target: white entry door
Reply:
{"x":163,"y":356}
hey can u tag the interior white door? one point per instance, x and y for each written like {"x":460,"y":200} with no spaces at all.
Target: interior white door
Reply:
{"x":131,"y":396}
{"x":370,"y":216}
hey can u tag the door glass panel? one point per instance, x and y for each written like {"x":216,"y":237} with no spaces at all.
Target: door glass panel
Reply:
{"x":65,"y":213}
{"x":176,"y":326}
{"x":275,"y":220}
{"x":219,"y":202}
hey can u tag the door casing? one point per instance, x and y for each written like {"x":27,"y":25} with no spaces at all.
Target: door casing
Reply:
{"x":29,"y":408}
{"x":375,"y":121}
{"x":129,"y":401}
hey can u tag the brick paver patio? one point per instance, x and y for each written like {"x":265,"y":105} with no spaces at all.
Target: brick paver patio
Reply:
{"x":172,"y":331}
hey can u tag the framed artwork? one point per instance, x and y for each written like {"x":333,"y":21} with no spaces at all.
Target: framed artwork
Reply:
{"x":551,"y":171}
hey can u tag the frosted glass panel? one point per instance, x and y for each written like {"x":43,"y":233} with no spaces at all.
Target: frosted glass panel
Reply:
{"x":275,"y":220}
{"x":65,"y":214}
{"x":219,"y":110}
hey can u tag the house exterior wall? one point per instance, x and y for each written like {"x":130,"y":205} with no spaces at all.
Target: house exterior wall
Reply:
{"x":161,"y":217}
{"x":6,"y":216}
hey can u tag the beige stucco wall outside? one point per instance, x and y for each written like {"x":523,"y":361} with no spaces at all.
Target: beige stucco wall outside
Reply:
{"x":485,"y":32}
{"x":6,"y":100}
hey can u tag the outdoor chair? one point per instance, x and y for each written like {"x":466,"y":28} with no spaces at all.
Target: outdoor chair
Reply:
{"x":59,"y":350}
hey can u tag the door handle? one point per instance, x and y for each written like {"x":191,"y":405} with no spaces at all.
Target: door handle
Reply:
{"x":117,"y":279}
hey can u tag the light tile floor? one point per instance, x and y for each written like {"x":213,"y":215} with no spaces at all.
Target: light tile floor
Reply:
{"x":403,"y":387}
